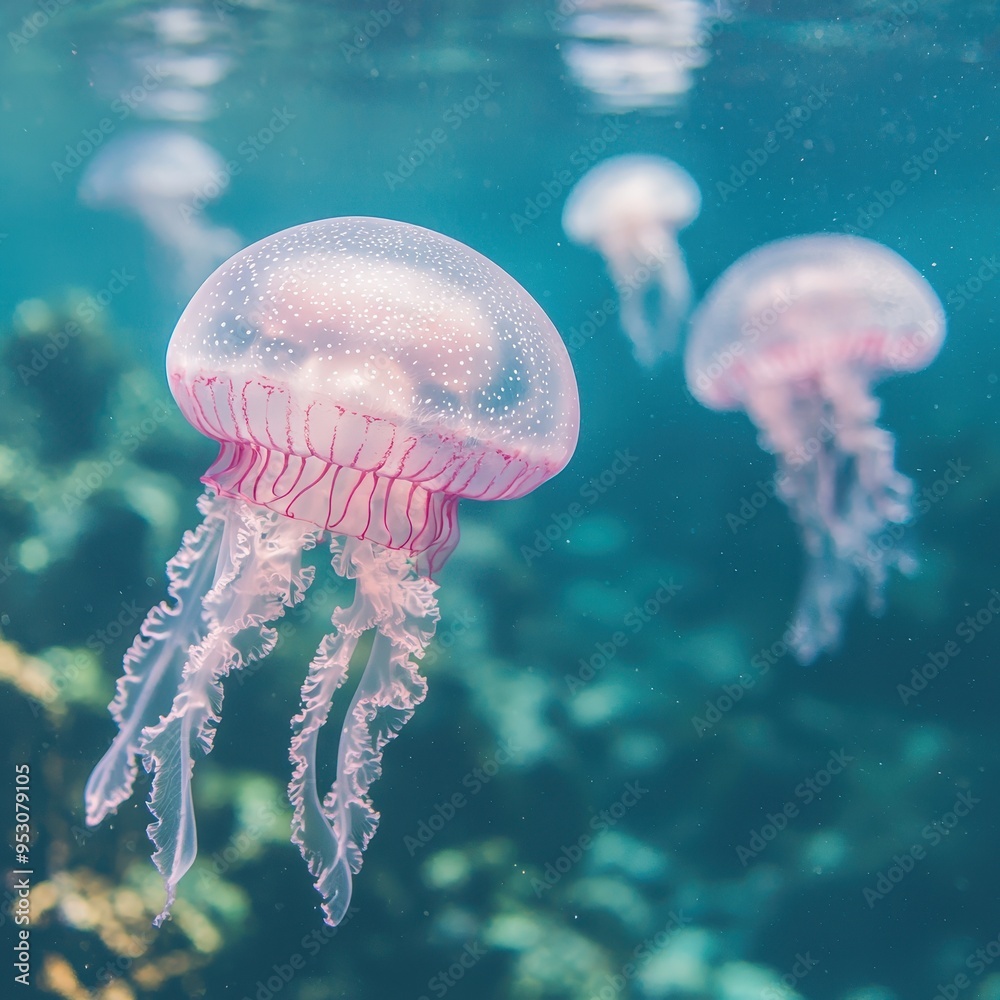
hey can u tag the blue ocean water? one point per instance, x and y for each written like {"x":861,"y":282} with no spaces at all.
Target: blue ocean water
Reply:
{"x":683,"y":811}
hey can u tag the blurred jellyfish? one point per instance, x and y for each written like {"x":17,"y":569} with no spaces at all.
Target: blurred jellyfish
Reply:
{"x":165,"y":178}
{"x":796,"y":332}
{"x":630,"y":209}
{"x":632,"y":54}
{"x":165,"y":63}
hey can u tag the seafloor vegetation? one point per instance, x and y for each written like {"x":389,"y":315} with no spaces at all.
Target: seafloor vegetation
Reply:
{"x":608,"y":788}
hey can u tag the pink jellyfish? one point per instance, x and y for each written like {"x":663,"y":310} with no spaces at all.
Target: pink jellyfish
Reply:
{"x":630,"y":209}
{"x":360,"y":376}
{"x":796,"y":332}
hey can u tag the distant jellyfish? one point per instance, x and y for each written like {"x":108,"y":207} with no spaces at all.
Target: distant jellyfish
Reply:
{"x":796,"y":333}
{"x":167,"y":62}
{"x":165,"y":177}
{"x":630,"y":210}
{"x":360,"y":376}
{"x":632,"y":55}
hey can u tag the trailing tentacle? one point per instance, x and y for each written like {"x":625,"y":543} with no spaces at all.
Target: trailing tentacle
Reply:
{"x":391,"y":597}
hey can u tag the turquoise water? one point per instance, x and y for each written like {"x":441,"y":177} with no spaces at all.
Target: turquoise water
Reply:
{"x":567,"y":815}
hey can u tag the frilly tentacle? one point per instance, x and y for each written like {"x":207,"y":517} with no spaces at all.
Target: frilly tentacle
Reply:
{"x":393,"y":598}
{"x":236,"y":572}
{"x":155,"y":661}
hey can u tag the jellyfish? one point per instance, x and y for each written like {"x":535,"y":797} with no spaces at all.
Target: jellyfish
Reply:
{"x":630,"y":209}
{"x":166,"y":64}
{"x":796,"y":332}
{"x":630,"y":55}
{"x":165,"y":178}
{"x":360,"y":376}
